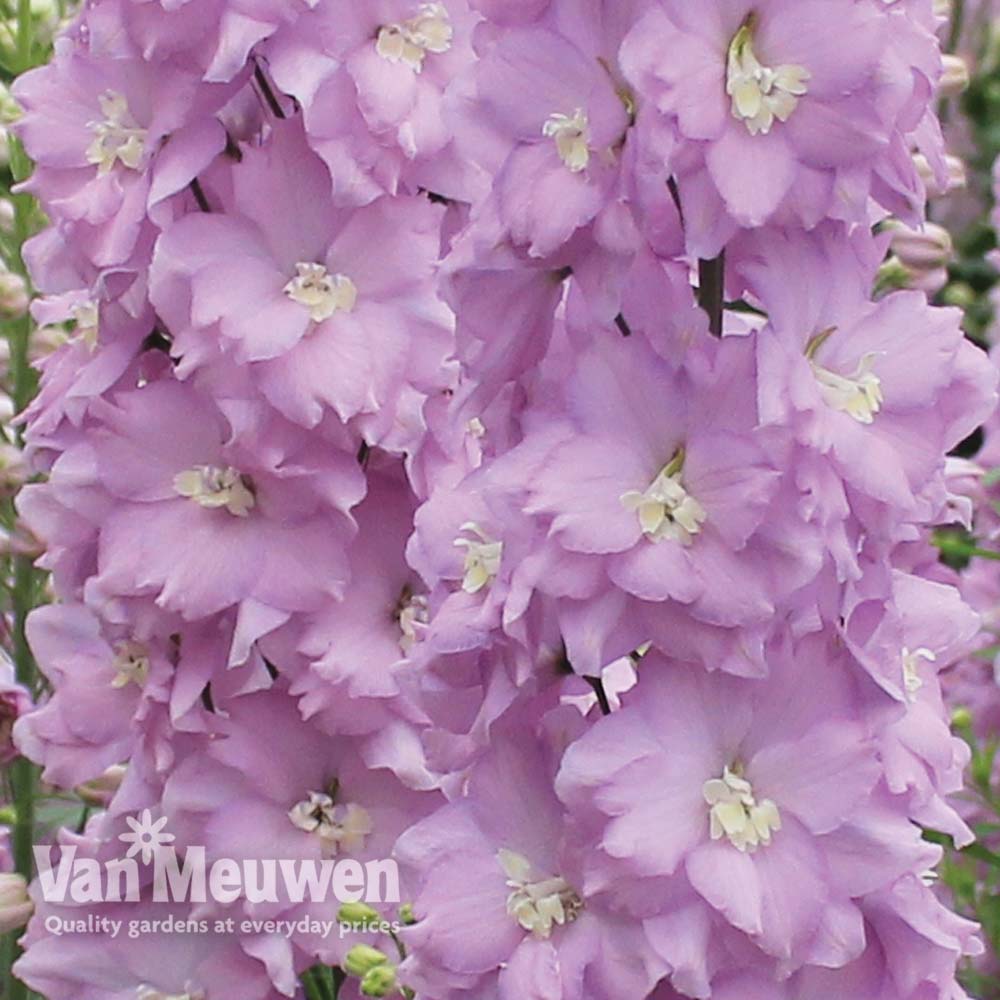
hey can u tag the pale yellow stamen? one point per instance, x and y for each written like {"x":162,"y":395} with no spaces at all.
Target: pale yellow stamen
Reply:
{"x":213,"y":487}
{"x":572,"y":137}
{"x":760,"y":95}
{"x":322,"y":293}
{"x":665,"y":509}
{"x":409,"y":42}
{"x":912,"y":681}
{"x":538,"y":904}
{"x":86,"y":315}
{"x":131,"y":665}
{"x":736,"y":814}
{"x":482,"y":558}
{"x":341,"y":828}
{"x":118,"y":138}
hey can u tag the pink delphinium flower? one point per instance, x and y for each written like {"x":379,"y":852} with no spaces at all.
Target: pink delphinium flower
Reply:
{"x":559,"y":122}
{"x":223,"y":486}
{"x":778,"y":107}
{"x":755,"y":785}
{"x":374,"y":81}
{"x":270,"y":786}
{"x":357,"y":647}
{"x":98,"y":130}
{"x":341,"y":313}
{"x":500,"y":904}
{"x":650,"y":478}
{"x":838,"y":370}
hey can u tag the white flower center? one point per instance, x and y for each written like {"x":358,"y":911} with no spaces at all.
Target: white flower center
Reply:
{"x":411,"y":612}
{"x":131,"y":664}
{"x":859,"y":394}
{"x":666,"y":509}
{"x":118,"y":138}
{"x":429,"y":30}
{"x":759,"y":93}
{"x":736,"y":814}
{"x":322,"y":293}
{"x":87,"y":318}
{"x":341,"y":828}
{"x":912,"y":681}
{"x":476,"y":428}
{"x":148,"y":993}
{"x":537,"y":903}
{"x":213,"y":486}
{"x":482,"y":558}
{"x":572,"y":138}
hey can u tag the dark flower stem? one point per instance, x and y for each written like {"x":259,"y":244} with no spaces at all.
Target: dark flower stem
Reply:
{"x":623,"y":328}
{"x":712,"y":290}
{"x":602,"y":696}
{"x":267,"y":92}
{"x":199,"y":195}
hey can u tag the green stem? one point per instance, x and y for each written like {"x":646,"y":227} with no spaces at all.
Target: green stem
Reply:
{"x":23,"y":772}
{"x":957,"y":25}
{"x":24,"y":775}
{"x":318,"y":984}
{"x":309,"y":986}
{"x":950,"y":46}
{"x":25,"y":28}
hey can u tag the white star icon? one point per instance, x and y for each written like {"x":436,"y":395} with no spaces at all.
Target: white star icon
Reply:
{"x":147,"y":836}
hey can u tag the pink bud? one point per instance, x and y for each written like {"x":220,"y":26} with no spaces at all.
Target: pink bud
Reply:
{"x":955,"y":78}
{"x":15,"y":906}
{"x":926,"y":249}
{"x":100,"y":791}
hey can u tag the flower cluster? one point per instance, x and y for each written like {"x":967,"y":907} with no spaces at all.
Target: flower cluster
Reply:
{"x":477,"y":441}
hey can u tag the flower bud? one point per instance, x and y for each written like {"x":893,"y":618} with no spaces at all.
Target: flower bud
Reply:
{"x":362,"y":958}
{"x":927,"y":248}
{"x":955,"y":78}
{"x":13,"y":469}
{"x":894,"y":274}
{"x":45,"y":341}
{"x":960,"y":294}
{"x":14,"y":299}
{"x":406,"y":915}
{"x":956,"y":176}
{"x":100,"y":791}
{"x":929,"y":282}
{"x":15,"y":701}
{"x":15,"y":906}
{"x":358,"y":914}
{"x":46,"y":9}
{"x":961,"y":718}
{"x":10,"y":110}
{"x":6,"y":215}
{"x":19,"y":541}
{"x":379,"y":982}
